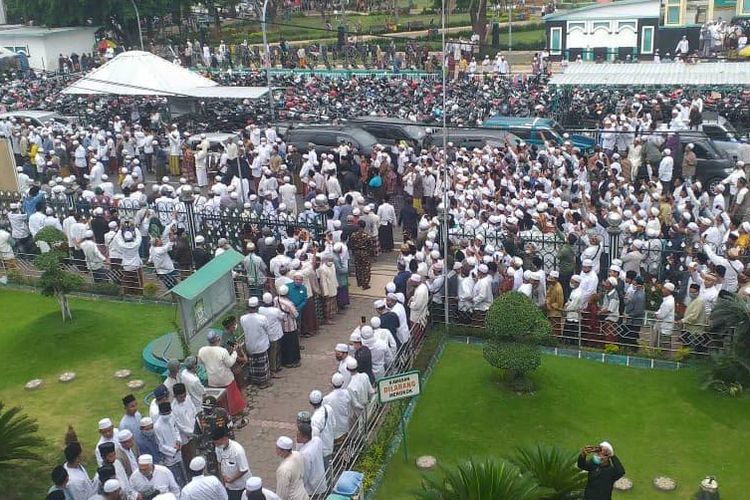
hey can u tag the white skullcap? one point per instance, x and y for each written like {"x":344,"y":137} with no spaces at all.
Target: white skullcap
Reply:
{"x":669,"y":286}
{"x":612,"y":281}
{"x":379,"y":303}
{"x":375,"y":322}
{"x":415,"y":277}
{"x":105,"y":423}
{"x":285,"y":443}
{"x":483,"y":268}
{"x":124,"y":435}
{"x":341,"y":347}
{"x":146,"y":421}
{"x":355,"y":337}
{"x":283,"y":290}
{"x":337,"y":380}
{"x":200,"y":239}
{"x":267,"y":298}
{"x":554,"y":274}
{"x":390,"y":287}
{"x":252,"y":302}
{"x":145,"y":459}
{"x":605,"y":444}
{"x":316,"y":397}
{"x":111,"y":485}
{"x":351,"y":364}
{"x":255,"y":483}
{"x":198,"y":464}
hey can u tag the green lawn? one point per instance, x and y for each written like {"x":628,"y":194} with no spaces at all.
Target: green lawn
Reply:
{"x":659,"y":422}
{"x":103,"y":337}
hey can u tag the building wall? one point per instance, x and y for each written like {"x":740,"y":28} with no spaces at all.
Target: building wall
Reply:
{"x":43,"y":51}
{"x":601,"y":38}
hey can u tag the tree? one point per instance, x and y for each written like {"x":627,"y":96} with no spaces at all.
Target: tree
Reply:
{"x":18,"y":438}
{"x":552,"y":468}
{"x":516,"y":328}
{"x":488,"y":480}
{"x":477,"y":13}
{"x":55,"y":280}
{"x":732,"y":365}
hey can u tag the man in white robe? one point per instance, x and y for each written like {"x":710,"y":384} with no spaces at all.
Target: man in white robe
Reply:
{"x":290,"y":484}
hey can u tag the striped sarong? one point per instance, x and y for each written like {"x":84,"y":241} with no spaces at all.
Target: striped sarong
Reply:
{"x":259,"y":371}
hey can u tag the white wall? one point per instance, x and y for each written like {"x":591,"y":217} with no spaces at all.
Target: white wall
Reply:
{"x":581,"y":39}
{"x":43,"y":51}
{"x":78,"y":41}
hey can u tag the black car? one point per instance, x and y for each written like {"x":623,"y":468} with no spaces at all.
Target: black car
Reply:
{"x":392,"y":131}
{"x":326,"y":138}
{"x":713,"y":164}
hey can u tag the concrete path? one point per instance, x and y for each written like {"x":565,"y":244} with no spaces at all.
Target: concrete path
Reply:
{"x":274,"y":410}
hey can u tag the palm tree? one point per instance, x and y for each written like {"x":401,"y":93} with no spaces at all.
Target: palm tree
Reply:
{"x":488,"y":480}
{"x":18,"y":437}
{"x":553,"y":468}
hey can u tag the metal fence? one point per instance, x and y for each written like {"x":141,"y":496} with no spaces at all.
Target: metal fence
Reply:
{"x":237,"y":225}
{"x":365,"y":426}
{"x":647,"y":335}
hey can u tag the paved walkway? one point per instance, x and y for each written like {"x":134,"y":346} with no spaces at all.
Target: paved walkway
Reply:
{"x":275,"y":409}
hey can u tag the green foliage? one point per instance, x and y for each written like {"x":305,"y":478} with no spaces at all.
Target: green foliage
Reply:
{"x":512,"y":317}
{"x":55,"y":279}
{"x":516,"y":358}
{"x":733,"y":366}
{"x":53,"y":237}
{"x":682,"y":353}
{"x":488,"y":480}
{"x":18,"y":437}
{"x":611,"y":349}
{"x":516,"y":328}
{"x":150,"y":290}
{"x":106,"y":288}
{"x":553,"y":468}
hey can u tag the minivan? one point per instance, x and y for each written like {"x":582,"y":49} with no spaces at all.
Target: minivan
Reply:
{"x":326,"y":138}
{"x":537,"y":130}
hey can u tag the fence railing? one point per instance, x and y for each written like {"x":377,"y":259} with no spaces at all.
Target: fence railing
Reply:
{"x":236,"y":224}
{"x":647,"y":335}
{"x":365,"y":426}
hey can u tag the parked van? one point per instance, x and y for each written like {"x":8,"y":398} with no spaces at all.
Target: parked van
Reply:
{"x":537,"y":130}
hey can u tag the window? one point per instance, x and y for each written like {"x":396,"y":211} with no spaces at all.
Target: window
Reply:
{"x":555,"y":41}
{"x":622,"y":25}
{"x":673,"y":12}
{"x":600,"y":25}
{"x":745,"y":6}
{"x":581,"y":25}
{"x":647,"y":40}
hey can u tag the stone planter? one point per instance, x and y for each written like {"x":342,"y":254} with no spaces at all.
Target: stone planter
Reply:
{"x":122,"y":374}
{"x":663,"y":483}
{"x":426,"y":462}
{"x":34,"y":384}
{"x":623,"y":484}
{"x":136,"y":384}
{"x":67,"y":377}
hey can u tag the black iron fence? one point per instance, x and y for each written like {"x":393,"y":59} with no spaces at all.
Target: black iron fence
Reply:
{"x":212,"y":221}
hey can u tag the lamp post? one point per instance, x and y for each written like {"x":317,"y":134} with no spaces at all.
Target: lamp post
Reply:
{"x":613,"y":229}
{"x":446,"y":202}
{"x":267,"y":62}
{"x":510,"y":26}
{"x":138,"y":20}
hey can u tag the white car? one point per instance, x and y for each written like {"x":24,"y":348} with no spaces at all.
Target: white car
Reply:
{"x":41,"y":118}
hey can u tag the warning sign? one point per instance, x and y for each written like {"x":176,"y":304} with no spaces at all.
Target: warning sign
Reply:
{"x":399,"y":386}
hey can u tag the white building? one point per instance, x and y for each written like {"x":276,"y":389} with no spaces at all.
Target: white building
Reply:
{"x":43,"y":46}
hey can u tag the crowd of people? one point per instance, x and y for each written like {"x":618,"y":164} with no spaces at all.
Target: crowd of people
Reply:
{"x":520,"y":217}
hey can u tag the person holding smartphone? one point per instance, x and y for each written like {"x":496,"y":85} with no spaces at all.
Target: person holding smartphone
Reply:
{"x":603,"y":469}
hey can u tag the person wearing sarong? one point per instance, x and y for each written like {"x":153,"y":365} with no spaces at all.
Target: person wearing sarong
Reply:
{"x":342,"y":277}
{"x":257,"y":344}
{"x":188,"y":163}
{"x":362,"y":246}
{"x":328,"y":287}
{"x":290,"y":351}
{"x":218,"y":363}
{"x":305,"y":309}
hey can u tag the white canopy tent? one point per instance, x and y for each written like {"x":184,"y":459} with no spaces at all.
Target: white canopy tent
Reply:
{"x":142,"y":73}
{"x":591,"y":74}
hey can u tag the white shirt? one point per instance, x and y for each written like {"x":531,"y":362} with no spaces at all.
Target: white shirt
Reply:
{"x":232,"y":460}
{"x":290,"y":474}
{"x":589,"y":282}
{"x":183,"y":415}
{"x":94,"y":258}
{"x":387,"y":214}
{"x":204,"y":488}
{"x":340,"y":400}
{"x":168,"y":437}
{"x":218,"y":363}
{"x":193,"y":386}
{"x":315,"y":474}
{"x":403,"y":325}
{"x":361,"y":389}
{"x":79,"y":482}
{"x":270,"y":495}
{"x":256,"y":328}
{"x":162,"y":480}
{"x":665,"y":315}
{"x":323,"y":422}
{"x":273,"y":316}
{"x":159,"y":256}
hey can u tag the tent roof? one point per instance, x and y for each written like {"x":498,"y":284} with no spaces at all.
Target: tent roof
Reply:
{"x":228,"y":92}
{"x":204,"y":277}
{"x":623,"y":9}
{"x":139,"y":73}
{"x":589,"y":74}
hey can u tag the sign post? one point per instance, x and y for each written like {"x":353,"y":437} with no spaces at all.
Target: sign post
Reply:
{"x":400,"y":386}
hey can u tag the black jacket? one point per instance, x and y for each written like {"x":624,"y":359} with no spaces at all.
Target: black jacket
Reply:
{"x":601,"y":479}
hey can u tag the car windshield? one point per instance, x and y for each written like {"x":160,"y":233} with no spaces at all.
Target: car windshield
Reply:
{"x":363,"y":137}
{"x":416,"y":132}
{"x":731,"y":131}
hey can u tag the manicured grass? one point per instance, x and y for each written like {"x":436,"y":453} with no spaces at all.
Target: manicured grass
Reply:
{"x":103,"y":337}
{"x":660,"y":422}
